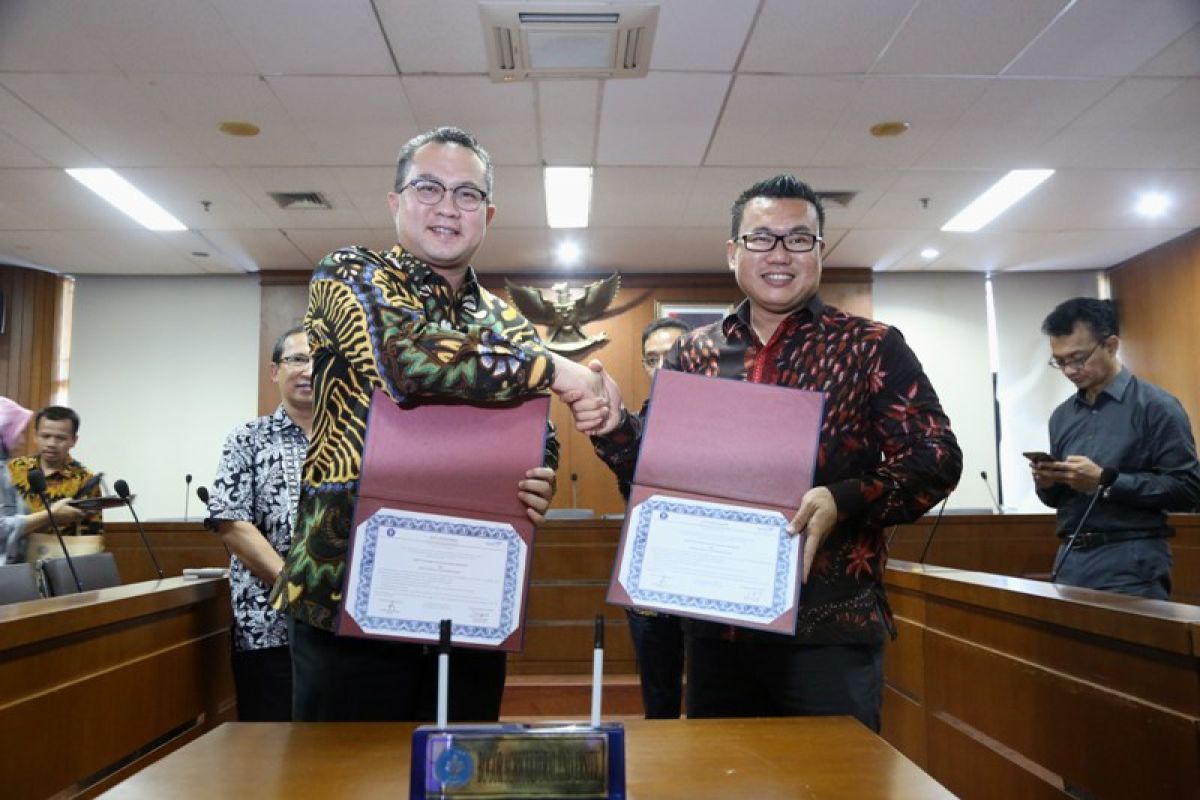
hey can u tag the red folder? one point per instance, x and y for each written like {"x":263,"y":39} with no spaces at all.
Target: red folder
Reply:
{"x":725,"y":441}
{"x":452,"y":459}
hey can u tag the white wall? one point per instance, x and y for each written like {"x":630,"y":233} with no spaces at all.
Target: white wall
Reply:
{"x":944,"y":320}
{"x":162,"y":369}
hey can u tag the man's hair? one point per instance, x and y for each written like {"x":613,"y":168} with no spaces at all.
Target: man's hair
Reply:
{"x":442,"y":135}
{"x":57,"y":414}
{"x":1099,"y":315}
{"x":662,"y":324}
{"x":781,"y":186}
{"x":277,"y":353}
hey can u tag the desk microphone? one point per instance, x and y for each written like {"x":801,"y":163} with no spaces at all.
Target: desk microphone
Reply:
{"x":991,"y":494}
{"x":122,"y":490}
{"x":933,"y":529}
{"x":574,"y":490}
{"x":187,"y":494}
{"x":1075,"y":533}
{"x":37,"y":482}
{"x":210,"y":524}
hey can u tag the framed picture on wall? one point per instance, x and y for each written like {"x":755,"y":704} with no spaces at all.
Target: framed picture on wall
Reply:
{"x":694,"y":314}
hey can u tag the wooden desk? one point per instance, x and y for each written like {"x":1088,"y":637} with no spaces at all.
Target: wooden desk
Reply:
{"x":831,"y":757}
{"x":90,"y":682}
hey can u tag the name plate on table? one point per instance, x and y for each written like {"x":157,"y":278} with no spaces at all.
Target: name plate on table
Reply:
{"x":518,"y":760}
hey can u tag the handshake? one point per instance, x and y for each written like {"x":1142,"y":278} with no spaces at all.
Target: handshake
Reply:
{"x":592,"y":394}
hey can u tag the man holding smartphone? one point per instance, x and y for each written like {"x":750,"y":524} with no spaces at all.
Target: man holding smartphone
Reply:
{"x":1121,"y":456}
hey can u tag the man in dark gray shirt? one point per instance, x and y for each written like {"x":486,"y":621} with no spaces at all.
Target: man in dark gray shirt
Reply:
{"x":1122,"y":447}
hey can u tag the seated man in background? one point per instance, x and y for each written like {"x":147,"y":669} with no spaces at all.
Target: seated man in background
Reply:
{"x":254,"y":499}
{"x":56,"y":431}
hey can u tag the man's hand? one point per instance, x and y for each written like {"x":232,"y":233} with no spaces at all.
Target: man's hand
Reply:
{"x":536,"y":492}
{"x":817,"y":514}
{"x":592,"y":394}
{"x":1078,"y":472}
{"x":64,"y":513}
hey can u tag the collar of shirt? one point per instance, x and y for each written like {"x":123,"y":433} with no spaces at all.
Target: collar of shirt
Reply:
{"x":281,"y":421}
{"x":423,"y":275}
{"x":1116,"y":388}
{"x":739,"y":320}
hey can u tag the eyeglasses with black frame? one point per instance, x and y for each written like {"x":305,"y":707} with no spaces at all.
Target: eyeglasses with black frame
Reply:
{"x":298,"y":360}
{"x":1075,"y":362}
{"x":794,"y":242}
{"x":431,"y":192}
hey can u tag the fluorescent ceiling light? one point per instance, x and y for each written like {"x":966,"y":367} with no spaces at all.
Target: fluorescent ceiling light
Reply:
{"x":996,"y":200}
{"x":568,"y":196}
{"x":567,"y":253}
{"x":1152,"y":204}
{"x":930,"y":253}
{"x":128,"y":198}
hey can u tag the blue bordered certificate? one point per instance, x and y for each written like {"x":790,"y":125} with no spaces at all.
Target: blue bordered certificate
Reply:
{"x":718,"y":561}
{"x":410,"y":570}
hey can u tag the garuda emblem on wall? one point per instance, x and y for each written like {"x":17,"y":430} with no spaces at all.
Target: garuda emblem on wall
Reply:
{"x":567,"y":313}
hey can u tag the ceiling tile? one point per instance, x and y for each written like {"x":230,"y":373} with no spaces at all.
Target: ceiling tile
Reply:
{"x":666,"y":118}
{"x":639,"y":197}
{"x":809,"y":37}
{"x":501,"y":116}
{"x":316,"y":244}
{"x":162,"y":36}
{"x":435,"y":36}
{"x":519,"y":197}
{"x":258,"y":184}
{"x":722,"y":25}
{"x":1179,"y":59}
{"x":258,"y":249}
{"x":34,"y":38}
{"x":877,"y":248}
{"x":567,"y":115}
{"x":30,"y":129}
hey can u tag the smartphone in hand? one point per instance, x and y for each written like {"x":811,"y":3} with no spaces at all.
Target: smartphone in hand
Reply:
{"x":1037,"y":456}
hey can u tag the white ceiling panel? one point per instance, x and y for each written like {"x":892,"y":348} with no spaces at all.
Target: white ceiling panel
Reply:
{"x":519,"y":197}
{"x":367,"y":189}
{"x":500,"y":115}
{"x":323,"y":38}
{"x":347,"y":121}
{"x":49,"y":199}
{"x":1107,"y":37}
{"x":28,"y":128}
{"x":974,"y":148}
{"x":1041,"y":103}
{"x":952,"y":24}
{"x":162,"y":36}
{"x":1180,"y":59}
{"x":567,"y":113}
{"x":34,"y":38}
{"x":183,"y":191}
{"x":15,"y":154}
{"x":810,"y":37}
{"x":1074,"y":250}
{"x":421,"y":33}
{"x":948,"y":191}
{"x":721,"y":25}
{"x":678,"y":250}
{"x":108,"y":252}
{"x":259,"y":183}
{"x":109,"y":115}
{"x":673,"y":112}
{"x":258,"y":249}
{"x":876,"y":248}
{"x":777,"y":119}
{"x":639,"y":197}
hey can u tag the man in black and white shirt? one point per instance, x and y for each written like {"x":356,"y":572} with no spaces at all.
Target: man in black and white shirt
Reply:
{"x":253,"y":503}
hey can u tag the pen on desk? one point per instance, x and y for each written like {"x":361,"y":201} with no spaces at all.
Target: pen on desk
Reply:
{"x":597,"y":670}
{"x":443,"y":689}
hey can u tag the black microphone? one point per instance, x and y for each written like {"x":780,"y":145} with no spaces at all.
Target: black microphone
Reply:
{"x":1075,"y":533}
{"x":933,"y":530}
{"x":210,"y":524}
{"x":90,"y":486}
{"x":122,"y":490}
{"x":187,"y":494}
{"x":37,"y":482}
{"x":991,"y":494}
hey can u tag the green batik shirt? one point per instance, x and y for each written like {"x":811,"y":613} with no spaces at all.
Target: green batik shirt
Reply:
{"x":388,"y":321}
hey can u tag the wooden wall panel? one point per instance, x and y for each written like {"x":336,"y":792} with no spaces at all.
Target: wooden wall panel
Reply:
{"x":28,"y":347}
{"x":583,"y":481}
{"x":1158,"y":294}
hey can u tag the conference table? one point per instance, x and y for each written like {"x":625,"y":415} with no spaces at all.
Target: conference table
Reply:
{"x":793,"y":758}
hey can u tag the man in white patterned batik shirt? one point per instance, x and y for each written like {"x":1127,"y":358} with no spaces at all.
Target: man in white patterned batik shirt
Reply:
{"x":253,"y":503}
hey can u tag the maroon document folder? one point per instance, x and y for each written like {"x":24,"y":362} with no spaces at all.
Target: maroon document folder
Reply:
{"x":729,"y":442}
{"x":447,"y":459}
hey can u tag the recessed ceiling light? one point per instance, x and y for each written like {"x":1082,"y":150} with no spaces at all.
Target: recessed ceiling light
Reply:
{"x":1152,"y":204}
{"x":128,"y":198}
{"x":567,"y":253}
{"x":883,"y":130}
{"x":568,"y":196}
{"x":236,"y":128}
{"x":1003,"y":194}
{"x":930,"y":253}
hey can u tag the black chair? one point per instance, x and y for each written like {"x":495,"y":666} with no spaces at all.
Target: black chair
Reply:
{"x":18,"y":582}
{"x":96,"y":571}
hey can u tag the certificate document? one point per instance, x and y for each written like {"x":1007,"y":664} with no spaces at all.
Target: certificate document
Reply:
{"x":687,"y":555}
{"x":411,"y":570}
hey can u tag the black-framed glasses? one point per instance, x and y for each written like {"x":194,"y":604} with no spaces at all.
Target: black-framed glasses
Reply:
{"x":764,"y":242}
{"x":431,"y":192}
{"x":299,"y":360}
{"x":1075,"y":362}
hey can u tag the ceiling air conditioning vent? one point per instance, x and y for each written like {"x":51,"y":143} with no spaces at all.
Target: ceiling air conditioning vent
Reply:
{"x":527,"y":41}
{"x":301,"y":201}
{"x":842,"y":199}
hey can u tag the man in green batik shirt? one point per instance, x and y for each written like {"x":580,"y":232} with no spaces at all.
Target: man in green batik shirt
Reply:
{"x":415,"y":322}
